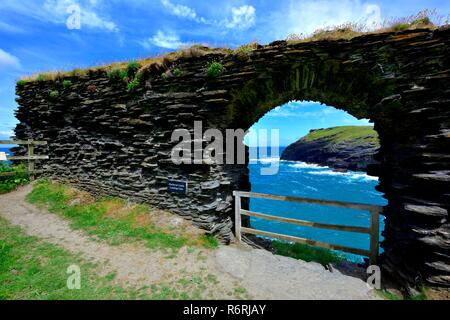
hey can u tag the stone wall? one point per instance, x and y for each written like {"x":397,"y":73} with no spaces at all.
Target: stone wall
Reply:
{"x":112,"y":141}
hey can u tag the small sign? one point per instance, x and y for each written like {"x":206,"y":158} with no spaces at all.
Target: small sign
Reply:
{"x":177,"y":186}
{"x":3,"y":156}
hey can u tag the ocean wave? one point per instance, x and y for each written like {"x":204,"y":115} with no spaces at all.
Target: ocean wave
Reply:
{"x":265,"y":160}
{"x":304,"y":165}
{"x":350,"y":175}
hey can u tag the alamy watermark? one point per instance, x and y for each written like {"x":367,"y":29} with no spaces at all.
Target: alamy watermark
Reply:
{"x":73,"y":22}
{"x":74,"y":280}
{"x":226,"y":150}
{"x":374,"y":279}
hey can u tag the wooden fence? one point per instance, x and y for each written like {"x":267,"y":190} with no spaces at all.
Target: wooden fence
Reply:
{"x":373,"y":230}
{"x":31,"y":157}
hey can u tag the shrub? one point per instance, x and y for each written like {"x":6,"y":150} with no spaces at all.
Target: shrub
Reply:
{"x":21,"y":83}
{"x":116,"y":74}
{"x":246,"y":49}
{"x":215,"y":69}
{"x":423,"y":19}
{"x":10,"y":183}
{"x":135,"y":83}
{"x":177,"y":72}
{"x":133,"y":67}
{"x":41,"y":77}
{"x":53,"y":94}
{"x":67,"y":84}
{"x":400,"y":27}
{"x":345,"y":31}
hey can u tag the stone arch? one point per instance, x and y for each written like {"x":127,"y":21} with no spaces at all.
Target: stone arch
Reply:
{"x":113,"y":141}
{"x":407,"y":110}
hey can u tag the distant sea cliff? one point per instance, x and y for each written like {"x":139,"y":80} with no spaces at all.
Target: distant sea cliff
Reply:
{"x":342,"y":148}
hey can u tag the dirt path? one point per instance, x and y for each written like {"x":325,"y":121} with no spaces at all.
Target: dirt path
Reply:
{"x":263,"y":275}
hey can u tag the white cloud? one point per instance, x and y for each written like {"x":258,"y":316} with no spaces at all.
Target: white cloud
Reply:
{"x":179,"y":10}
{"x":6,"y":133}
{"x":242,"y":17}
{"x":304,"y":17}
{"x":55,"y":11}
{"x":7,"y":60}
{"x":89,"y":16}
{"x":165,"y":39}
{"x":302,"y":110}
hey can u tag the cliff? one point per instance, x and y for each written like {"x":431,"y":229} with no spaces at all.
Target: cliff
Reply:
{"x":347,"y":147}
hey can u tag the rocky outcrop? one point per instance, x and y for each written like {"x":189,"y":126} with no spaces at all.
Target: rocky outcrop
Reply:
{"x":114,"y":138}
{"x":354,"y":153}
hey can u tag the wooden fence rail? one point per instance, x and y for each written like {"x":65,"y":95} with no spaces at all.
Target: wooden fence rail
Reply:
{"x":31,"y":157}
{"x":373,"y":230}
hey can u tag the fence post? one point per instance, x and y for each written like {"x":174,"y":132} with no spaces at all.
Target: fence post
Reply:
{"x":237,"y":216}
{"x":31,"y":166}
{"x":374,"y":236}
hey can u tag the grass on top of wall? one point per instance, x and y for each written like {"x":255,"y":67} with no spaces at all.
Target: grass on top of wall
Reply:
{"x":113,"y":219}
{"x":428,"y":19}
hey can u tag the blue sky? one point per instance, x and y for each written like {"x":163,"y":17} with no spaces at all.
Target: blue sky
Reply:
{"x":295,"y":119}
{"x":34,"y":35}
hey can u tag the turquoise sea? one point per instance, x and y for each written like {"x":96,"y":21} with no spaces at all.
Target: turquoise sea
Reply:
{"x":310,"y":180}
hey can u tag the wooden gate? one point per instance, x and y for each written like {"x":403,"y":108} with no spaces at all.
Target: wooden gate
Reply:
{"x":30,"y":157}
{"x":373,"y":230}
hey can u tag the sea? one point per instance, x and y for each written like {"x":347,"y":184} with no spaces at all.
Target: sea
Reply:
{"x":313,"y":181}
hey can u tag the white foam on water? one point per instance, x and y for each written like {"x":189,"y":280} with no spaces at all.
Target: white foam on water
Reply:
{"x":350,"y":175}
{"x":304,"y":165}
{"x":265,"y":160}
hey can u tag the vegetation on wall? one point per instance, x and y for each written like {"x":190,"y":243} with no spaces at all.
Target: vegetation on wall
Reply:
{"x":428,"y":19}
{"x":67,"y":84}
{"x":53,"y":94}
{"x":347,"y":31}
{"x":215,"y":69}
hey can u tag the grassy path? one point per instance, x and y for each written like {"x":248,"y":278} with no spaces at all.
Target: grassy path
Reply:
{"x":126,"y":253}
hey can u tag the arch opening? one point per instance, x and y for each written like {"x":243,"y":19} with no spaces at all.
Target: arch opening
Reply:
{"x":323,"y":154}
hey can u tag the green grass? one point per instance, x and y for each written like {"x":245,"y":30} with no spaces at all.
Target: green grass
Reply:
{"x":21,"y":83}
{"x":355,"y":134}
{"x":112,"y":219}
{"x":41,"y":77}
{"x":392,"y":296}
{"x":31,"y":269}
{"x":10,"y":183}
{"x":67,"y":84}
{"x":53,"y":94}
{"x":177,"y":72}
{"x":215,"y":69}
{"x":133,"y":67}
{"x":306,"y":253}
{"x":133,"y":85}
{"x":117,"y":74}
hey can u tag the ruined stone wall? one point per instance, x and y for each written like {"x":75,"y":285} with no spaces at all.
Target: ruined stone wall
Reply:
{"x":112,"y":141}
